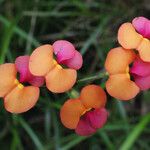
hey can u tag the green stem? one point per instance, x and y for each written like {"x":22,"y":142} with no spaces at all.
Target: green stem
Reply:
{"x":94,"y":77}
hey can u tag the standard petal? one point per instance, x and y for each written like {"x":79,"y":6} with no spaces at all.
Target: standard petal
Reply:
{"x":41,"y":60}
{"x":63,"y":50}
{"x":70,"y":113}
{"x":121,"y":87}
{"x":21,"y":99}
{"x":142,"y":82}
{"x":98,"y":117}
{"x":7,"y":78}
{"x":84,"y":127}
{"x":75,"y":62}
{"x":118,"y":59}
{"x":142,"y":26}
{"x":128,"y":37}
{"x":140,"y":67}
{"x":144,"y":50}
{"x":59,"y":80}
{"x":93,"y":96}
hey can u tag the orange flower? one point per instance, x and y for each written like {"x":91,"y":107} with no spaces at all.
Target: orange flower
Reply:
{"x":92,"y":98}
{"x":119,"y":84}
{"x":17,"y":98}
{"x":130,"y":39}
{"x":58,"y":79}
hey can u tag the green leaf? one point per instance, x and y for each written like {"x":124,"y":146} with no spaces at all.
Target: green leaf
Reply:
{"x":135,"y":133}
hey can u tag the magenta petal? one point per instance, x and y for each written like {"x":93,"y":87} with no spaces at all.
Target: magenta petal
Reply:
{"x":37,"y":81}
{"x":140,"y":67}
{"x":98,"y":118}
{"x":142,"y":82}
{"x":63,"y":50}
{"x":142,"y":25}
{"x":91,"y":121}
{"x":75,"y":62}
{"x":84,"y":127}
{"x":22,"y":66}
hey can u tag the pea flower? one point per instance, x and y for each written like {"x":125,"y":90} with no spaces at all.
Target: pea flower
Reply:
{"x":140,"y":71}
{"x":119,"y":84}
{"x":129,"y":38}
{"x":66,"y":54}
{"x":142,"y":26}
{"x":17,"y":97}
{"x":57,"y":78}
{"x":87,"y":113}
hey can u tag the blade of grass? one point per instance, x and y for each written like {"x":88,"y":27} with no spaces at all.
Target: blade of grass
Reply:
{"x":32,"y":28}
{"x":19,"y":31}
{"x":123,"y":114}
{"x":94,"y":35}
{"x":106,"y":140}
{"x":6,"y":38}
{"x":56,"y":130}
{"x":135,"y":133}
{"x":74,"y":142}
{"x":47,"y":123}
{"x":16,"y":142}
{"x":31,"y":133}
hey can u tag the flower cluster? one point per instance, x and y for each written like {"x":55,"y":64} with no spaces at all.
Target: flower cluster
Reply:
{"x":56,"y":65}
{"x":132,"y":59}
{"x":36,"y":69}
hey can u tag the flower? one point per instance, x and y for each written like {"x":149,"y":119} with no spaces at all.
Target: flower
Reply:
{"x":58,"y":79}
{"x":17,"y":97}
{"x":67,"y":55}
{"x":130,"y":39}
{"x":119,"y":84}
{"x":85,"y":114}
{"x":142,"y":26}
{"x":140,"y":71}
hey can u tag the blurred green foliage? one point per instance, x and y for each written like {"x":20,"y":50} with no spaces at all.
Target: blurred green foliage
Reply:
{"x":92,"y":26}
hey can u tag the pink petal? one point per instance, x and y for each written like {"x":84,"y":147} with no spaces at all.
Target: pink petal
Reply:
{"x":75,"y":62}
{"x":92,"y":121}
{"x":37,"y":81}
{"x":98,"y":118}
{"x":63,"y":50}
{"x":84,"y":127}
{"x":142,"y":82}
{"x":142,"y":25}
{"x":140,"y":67}
{"x":22,"y":66}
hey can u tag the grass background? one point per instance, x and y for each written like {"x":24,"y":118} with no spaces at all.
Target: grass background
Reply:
{"x":92,"y":26}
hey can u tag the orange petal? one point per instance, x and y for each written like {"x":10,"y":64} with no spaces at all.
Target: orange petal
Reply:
{"x":118,"y":60}
{"x":128,"y":37}
{"x":21,"y":99}
{"x":144,"y":50}
{"x":70,"y":113}
{"x":93,"y":96}
{"x":7,"y":78}
{"x":59,"y":80}
{"x":121,"y":87}
{"x":41,"y":60}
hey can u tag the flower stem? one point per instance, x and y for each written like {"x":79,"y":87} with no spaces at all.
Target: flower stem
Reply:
{"x":94,"y":77}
